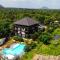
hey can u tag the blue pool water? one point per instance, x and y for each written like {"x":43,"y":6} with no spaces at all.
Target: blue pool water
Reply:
{"x":18,"y":49}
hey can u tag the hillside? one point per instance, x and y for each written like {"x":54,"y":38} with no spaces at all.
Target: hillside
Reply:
{"x":1,"y":6}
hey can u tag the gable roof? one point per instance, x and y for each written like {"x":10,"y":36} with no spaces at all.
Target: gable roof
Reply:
{"x":26,"y":21}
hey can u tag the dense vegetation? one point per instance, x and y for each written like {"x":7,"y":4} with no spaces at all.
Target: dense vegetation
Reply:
{"x":43,"y":41}
{"x":9,"y":15}
{"x":51,"y":49}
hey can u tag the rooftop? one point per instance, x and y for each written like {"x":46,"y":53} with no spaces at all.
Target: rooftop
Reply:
{"x":26,"y":21}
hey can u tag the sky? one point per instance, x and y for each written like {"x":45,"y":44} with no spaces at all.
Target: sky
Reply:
{"x":53,"y":4}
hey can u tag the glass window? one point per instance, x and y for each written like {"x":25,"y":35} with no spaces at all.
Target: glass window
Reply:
{"x":19,"y":34}
{"x":23,"y":35}
{"x":22,"y":32}
{"x":15,"y":28}
{"x":18,"y":28}
{"x":18,"y":31}
{"x":23,"y":29}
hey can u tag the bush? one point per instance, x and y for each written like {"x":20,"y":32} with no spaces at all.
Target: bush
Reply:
{"x":35,"y":35}
{"x":45,"y":38}
{"x":55,"y":42}
{"x":56,"y":31}
{"x":18,"y":38}
{"x":30,"y":47}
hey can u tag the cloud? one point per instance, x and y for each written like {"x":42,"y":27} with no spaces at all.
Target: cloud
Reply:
{"x":31,"y":3}
{"x":22,"y":0}
{"x":8,"y":0}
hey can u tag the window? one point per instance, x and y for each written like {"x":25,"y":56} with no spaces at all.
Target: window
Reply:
{"x":22,"y":32}
{"x":18,"y":32}
{"x":18,"y":28}
{"x":15,"y":28}
{"x":23,"y":29}
{"x":23,"y":35}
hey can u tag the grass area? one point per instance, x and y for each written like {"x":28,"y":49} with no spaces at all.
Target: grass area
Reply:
{"x":51,"y":49}
{"x":56,"y":32}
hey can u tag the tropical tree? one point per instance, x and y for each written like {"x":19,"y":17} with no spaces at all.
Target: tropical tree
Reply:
{"x":45,"y":38}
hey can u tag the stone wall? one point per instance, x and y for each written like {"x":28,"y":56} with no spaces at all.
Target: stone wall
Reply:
{"x":42,"y":57}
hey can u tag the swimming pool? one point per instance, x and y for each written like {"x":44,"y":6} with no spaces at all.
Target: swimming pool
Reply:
{"x":17,"y":50}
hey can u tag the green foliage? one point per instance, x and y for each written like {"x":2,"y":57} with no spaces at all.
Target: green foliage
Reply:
{"x":35,"y":35}
{"x":4,"y":27}
{"x":50,"y":29}
{"x":55,"y":42}
{"x":18,"y":38}
{"x":43,"y":49}
{"x":46,"y":17}
{"x":45,"y":38}
{"x":56,"y":31}
{"x":30,"y":46}
{"x":9,"y":15}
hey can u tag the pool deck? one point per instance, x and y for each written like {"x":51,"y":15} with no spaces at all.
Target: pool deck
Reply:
{"x":17,"y":51}
{"x":7,"y":44}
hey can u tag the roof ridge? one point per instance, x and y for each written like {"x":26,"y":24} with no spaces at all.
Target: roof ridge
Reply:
{"x":26,"y":21}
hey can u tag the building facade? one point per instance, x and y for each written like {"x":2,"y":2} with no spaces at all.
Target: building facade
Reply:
{"x":25,"y":27}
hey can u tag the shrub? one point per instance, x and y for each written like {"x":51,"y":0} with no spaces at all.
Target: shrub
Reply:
{"x":30,"y":47}
{"x":56,"y":31}
{"x":35,"y":35}
{"x":55,"y":42}
{"x":50,"y":29}
{"x":18,"y":38}
{"x":45,"y":38}
{"x":28,"y":41}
